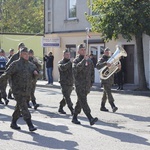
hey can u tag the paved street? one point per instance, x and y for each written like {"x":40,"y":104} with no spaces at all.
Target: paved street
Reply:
{"x":127,"y":129}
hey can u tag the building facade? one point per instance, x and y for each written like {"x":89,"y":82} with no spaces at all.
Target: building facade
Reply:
{"x":66,"y":27}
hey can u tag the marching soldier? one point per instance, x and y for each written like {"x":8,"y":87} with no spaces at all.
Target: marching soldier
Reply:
{"x":21,"y":72}
{"x":66,"y":81}
{"x":83,"y":70}
{"x":38,"y":66}
{"x":107,"y":84}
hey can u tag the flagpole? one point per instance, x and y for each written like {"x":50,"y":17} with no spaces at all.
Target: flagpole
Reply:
{"x":87,"y":40}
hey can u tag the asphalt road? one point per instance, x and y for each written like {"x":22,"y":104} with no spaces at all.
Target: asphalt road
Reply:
{"x":127,"y":129}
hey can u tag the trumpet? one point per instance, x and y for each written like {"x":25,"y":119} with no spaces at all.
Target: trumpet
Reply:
{"x":106,"y":72}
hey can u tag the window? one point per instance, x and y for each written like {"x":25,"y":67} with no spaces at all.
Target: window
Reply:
{"x":72,"y":50}
{"x":92,"y":12}
{"x":71,"y":9}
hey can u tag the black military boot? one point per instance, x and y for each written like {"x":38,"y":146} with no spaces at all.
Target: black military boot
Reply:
{"x":35,"y":104}
{"x":91,"y":119}
{"x":1,"y":100}
{"x":10,"y":95}
{"x":29,"y":106}
{"x":6,"y":101}
{"x":72,"y":110}
{"x":114,"y":108}
{"x":75,"y":120}
{"x":30,"y":125}
{"x":103,"y":108}
{"x":14,"y":125}
{"x":60,"y":110}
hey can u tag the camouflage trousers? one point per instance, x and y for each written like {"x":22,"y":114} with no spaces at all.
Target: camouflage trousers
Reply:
{"x":66,"y":91}
{"x":21,"y":107}
{"x":107,"y":94}
{"x":3,"y":93}
{"x":82,"y":101}
{"x":32,"y":96}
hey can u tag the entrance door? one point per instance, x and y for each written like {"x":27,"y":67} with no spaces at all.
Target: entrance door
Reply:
{"x":129,"y":64}
{"x":96,"y":50}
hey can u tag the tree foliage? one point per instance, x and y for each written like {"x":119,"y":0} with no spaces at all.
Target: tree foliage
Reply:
{"x":22,"y":16}
{"x":123,"y":17}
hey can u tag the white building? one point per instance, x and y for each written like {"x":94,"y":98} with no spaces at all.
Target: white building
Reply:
{"x":66,"y":27}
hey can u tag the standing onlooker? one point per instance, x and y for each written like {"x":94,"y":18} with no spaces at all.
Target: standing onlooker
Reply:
{"x":22,"y":73}
{"x":107,"y":84}
{"x":49,"y":66}
{"x":120,"y":74}
{"x":66,"y":81}
{"x":33,"y":59}
{"x":93,"y":59}
{"x":3,"y":61}
{"x":83,"y":70}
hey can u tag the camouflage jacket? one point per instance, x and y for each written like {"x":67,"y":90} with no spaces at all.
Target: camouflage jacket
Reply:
{"x":21,"y":72}
{"x":12,"y":58}
{"x":65,"y":72}
{"x":102,"y":62}
{"x":35,"y":61}
{"x":83,"y":71}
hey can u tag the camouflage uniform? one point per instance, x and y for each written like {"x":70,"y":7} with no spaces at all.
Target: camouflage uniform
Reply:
{"x":12,"y":58}
{"x":66,"y":82}
{"x":3,"y":86}
{"x":107,"y":84}
{"x":21,"y":72}
{"x":83,"y":71}
{"x":38,"y":67}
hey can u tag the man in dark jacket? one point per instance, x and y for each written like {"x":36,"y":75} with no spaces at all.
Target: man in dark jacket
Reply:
{"x":49,"y":66}
{"x":107,"y":84}
{"x":83,"y":71}
{"x":66,"y":81}
{"x":21,"y":72}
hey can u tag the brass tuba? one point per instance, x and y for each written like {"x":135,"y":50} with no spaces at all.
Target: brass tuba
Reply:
{"x":106,"y":72}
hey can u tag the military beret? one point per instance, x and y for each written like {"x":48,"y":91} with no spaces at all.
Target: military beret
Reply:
{"x":81,"y":46}
{"x":106,"y":49}
{"x":11,"y":50}
{"x":24,"y":49}
{"x":21,"y":45}
{"x":31,"y":51}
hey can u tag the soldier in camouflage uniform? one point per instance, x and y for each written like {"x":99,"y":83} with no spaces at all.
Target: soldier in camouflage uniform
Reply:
{"x":107,"y":84}
{"x":66,"y":81}
{"x":13,"y":58}
{"x":3,"y":62}
{"x":83,"y":70}
{"x":22,"y":73}
{"x":38,"y":66}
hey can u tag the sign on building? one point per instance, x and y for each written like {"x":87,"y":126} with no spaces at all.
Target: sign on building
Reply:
{"x":50,"y":42}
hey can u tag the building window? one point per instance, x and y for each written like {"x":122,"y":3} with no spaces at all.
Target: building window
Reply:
{"x":49,"y":27}
{"x":49,"y":16}
{"x":72,"y":50}
{"x":71,"y":9}
{"x":91,"y":9}
{"x":48,"y":4}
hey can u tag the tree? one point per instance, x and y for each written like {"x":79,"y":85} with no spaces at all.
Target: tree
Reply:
{"x":22,"y":16}
{"x":129,"y":18}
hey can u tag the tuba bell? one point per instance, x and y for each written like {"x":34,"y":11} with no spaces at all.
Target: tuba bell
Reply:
{"x":106,"y":72}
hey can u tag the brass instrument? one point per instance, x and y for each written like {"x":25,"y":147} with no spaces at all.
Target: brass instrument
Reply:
{"x":106,"y":72}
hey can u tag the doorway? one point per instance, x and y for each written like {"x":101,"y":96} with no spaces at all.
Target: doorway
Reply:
{"x":129,"y":64}
{"x":96,"y":50}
